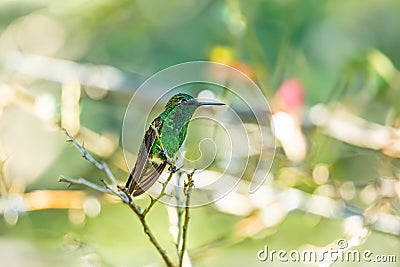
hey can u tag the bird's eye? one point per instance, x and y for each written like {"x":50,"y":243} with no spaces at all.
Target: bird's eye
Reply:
{"x":183,"y":100}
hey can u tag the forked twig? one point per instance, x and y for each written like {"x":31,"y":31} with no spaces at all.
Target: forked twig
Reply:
{"x":121,"y":193}
{"x":99,"y":165}
{"x":162,"y":193}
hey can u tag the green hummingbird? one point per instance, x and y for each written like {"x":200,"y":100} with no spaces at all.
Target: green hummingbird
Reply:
{"x":162,"y":141}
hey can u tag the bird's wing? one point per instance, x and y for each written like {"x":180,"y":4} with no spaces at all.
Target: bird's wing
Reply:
{"x":145,"y":173}
{"x":149,"y":177}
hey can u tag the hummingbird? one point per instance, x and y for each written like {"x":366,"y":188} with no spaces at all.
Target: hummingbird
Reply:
{"x":162,"y":141}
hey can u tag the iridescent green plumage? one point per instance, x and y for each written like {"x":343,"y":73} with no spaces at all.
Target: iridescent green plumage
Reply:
{"x":162,"y":141}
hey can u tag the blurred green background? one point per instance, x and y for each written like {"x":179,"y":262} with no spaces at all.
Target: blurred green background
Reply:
{"x":329,"y":68}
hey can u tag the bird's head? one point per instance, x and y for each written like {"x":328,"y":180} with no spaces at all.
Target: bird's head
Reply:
{"x":187,"y":100}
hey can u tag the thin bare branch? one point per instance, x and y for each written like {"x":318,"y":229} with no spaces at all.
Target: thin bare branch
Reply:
{"x":151,"y":236}
{"x":179,"y":211}
{"x":187,"y":191}
{"x":162,"y":193}
{"x":99,"y":165}
{"x":121,"y":193}
{"x":84,"y":182}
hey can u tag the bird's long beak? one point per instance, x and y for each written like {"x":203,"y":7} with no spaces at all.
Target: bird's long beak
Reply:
{"x":210,"y":103}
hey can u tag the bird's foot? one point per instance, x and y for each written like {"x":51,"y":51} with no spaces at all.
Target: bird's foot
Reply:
{"x":168,"y":160}
{"x":173,"y":168}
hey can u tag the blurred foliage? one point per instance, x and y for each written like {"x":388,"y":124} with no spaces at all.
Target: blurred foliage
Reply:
{"x":77,"y":63}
